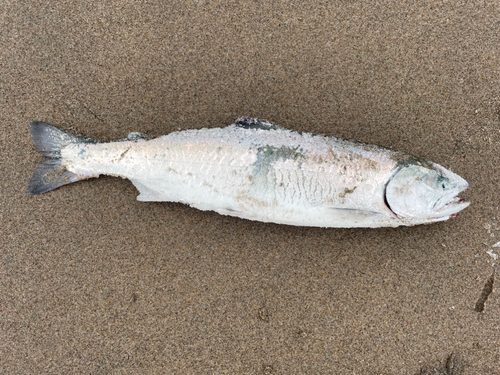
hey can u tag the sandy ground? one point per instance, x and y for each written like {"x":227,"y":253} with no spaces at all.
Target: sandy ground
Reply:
{"x":94,"y":282}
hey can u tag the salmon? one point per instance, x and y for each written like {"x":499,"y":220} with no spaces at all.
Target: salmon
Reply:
{"x":256,"y":170}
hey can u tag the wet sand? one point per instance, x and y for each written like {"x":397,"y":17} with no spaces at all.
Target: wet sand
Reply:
{"x":94,"y":282}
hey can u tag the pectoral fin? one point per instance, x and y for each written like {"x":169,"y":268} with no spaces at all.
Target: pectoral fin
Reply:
{"x":355,"y":217}
{"x":352,"y":211}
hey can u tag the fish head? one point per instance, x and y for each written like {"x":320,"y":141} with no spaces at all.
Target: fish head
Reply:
{"x":425,"y":193}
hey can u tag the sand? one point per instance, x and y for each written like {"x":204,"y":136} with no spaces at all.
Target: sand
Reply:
{"x":94,"y":282}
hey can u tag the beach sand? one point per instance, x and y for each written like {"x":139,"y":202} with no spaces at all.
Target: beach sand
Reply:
{"x":94,"y":282}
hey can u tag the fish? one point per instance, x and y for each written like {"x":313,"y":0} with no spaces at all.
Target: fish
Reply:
{"x":256,"y":170}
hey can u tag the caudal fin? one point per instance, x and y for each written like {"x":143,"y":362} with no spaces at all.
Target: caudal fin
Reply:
{"x":50,"y":174}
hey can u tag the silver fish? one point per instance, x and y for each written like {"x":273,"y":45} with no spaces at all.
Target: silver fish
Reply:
{"x":260,"y":171}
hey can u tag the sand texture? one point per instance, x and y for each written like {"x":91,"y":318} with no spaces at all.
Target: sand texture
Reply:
{"x":94,"y":282}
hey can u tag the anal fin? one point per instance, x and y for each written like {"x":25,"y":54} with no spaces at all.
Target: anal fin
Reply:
{"x":147,"y":194}
{"x":231,"y":212}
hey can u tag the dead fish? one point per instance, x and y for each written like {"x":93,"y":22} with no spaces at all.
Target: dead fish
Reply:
{"x":260,"y":171}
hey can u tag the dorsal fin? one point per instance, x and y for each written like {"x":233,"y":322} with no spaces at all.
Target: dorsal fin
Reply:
{"x":246,"y":122}
{"x":136,"y":136}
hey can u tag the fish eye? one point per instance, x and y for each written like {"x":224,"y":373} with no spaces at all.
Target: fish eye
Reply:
{"x":443,"y":183}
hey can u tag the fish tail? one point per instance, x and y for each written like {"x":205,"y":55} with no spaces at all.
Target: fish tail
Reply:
{"x":50,"y":173}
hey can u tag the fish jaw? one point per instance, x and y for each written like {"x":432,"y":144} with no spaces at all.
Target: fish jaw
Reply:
{"x":451,"y":204}
{"x":452,"y":208}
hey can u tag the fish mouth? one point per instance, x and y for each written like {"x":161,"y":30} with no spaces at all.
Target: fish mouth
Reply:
{"x":450,"y":204}
{"x":450,"y":209}
{"x":442,"y":210}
